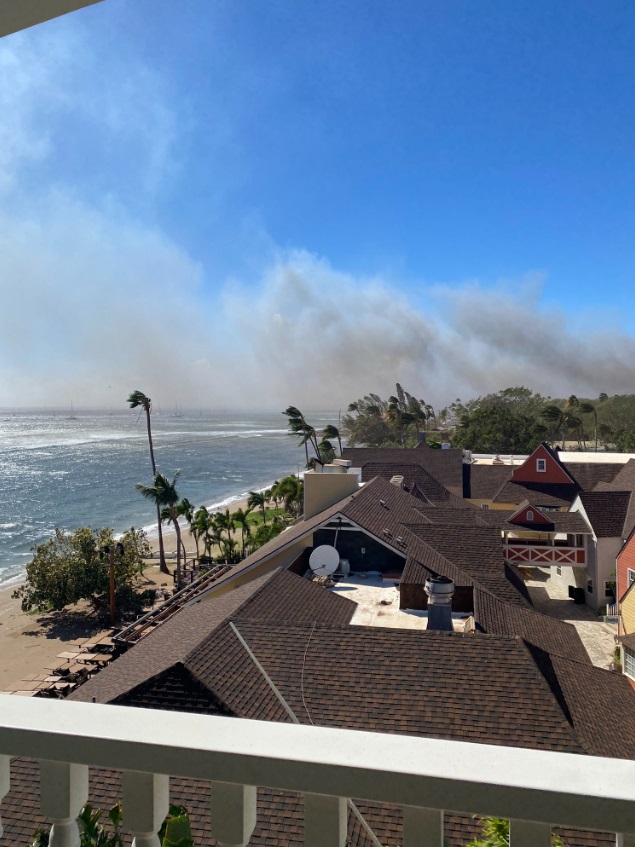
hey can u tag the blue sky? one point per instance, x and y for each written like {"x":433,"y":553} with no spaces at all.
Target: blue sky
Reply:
{"x":437,"y":192}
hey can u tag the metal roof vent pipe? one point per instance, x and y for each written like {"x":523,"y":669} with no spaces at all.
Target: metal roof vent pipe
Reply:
{"x":440,"y":590}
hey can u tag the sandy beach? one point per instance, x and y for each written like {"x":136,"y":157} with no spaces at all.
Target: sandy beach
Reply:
{"x":30,"y":641}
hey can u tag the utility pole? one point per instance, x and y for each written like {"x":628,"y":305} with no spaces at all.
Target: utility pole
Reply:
{"x":110,"y":552}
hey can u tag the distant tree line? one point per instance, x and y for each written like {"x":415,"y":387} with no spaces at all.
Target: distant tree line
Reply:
{"x":513,"y":420}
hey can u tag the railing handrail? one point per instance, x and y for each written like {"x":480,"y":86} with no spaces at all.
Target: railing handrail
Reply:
{"x":535,"y":785}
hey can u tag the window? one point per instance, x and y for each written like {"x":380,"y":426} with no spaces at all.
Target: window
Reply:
{"x":559,"y":570}
{"x":630,"y":576}
{"x":609,"y":589}
{"x":486,"y":507}
{"x":589,"y":586}
{"x":629,"y":662}
{"x":530,"y":515}
{"x":541,"y":465}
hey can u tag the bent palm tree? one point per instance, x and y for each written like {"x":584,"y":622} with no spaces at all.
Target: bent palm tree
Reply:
{"x":331,"y":431}
{"x":164,"y":494}
{"x":135,"y":400}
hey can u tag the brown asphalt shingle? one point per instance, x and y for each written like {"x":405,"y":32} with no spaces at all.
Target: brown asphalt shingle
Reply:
{"x":446,"y":466}
{"x":279,"y":595}
{"x":553,"y":636}
{"x":607,"y":511}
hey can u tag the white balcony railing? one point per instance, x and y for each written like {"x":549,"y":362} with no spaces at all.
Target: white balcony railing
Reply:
{"x":535,"y":789}
{"x":544,"y":555}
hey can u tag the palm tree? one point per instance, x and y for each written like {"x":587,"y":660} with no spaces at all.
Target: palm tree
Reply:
{"x":589,"y":409}
{"x":258,"y":500}
{"x":135,"y":400}
{"x":199,"y":527}
{"x":241,"y":519}
{"x":291,"y":490}
{"x":304,"y":431}
{"x":331,"y":431}
{"x":164,"y":494}
{"x":224,"y":522}
{"x":274,"y":493}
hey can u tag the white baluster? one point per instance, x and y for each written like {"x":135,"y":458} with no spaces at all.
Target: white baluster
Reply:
{"x":422,"y":827}
{"x":64,"y":791}
{"x":325,"y":821}
{"x":625,"y":839}
{"x":529,"y":834}
{"x":5,"y":781}
{"x":233,"y":813}
{"x":146,"y":802}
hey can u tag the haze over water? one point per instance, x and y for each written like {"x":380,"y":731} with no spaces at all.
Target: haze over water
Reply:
{"x":59,"y":469}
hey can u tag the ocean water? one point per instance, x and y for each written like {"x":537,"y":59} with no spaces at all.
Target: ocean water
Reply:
{"x":62,"y":469}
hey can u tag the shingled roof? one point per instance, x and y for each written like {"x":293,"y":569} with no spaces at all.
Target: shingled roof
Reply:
{"x":606,"y":511}
{"x":277,"y":596}
{"x":446,"y":466}
{"x":478,"y":553}
{"x":553,"y":636}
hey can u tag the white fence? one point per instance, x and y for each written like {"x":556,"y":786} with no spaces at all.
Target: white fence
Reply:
{"x":535,"y":789}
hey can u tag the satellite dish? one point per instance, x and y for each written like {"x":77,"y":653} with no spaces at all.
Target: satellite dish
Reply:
{"x":324,"y":560}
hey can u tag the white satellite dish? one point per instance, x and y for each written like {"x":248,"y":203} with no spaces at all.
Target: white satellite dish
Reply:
{"x":324,"y":560}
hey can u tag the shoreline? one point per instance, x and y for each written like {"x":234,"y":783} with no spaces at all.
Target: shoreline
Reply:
{"x":231,"y":502}
{"x":31,"y":640}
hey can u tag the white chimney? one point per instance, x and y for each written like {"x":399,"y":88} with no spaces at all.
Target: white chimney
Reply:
{"x":397,"y":480}
{"x":440,"y":590}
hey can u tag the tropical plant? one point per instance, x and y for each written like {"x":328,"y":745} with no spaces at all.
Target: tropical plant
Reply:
{"x":291,"y":492}
{"x":305,"y":433}
{"x":241,"y":521}
{"x":164,"y":494}
{"x":258,"y":500}
{"x":68,"y":568}
{"x":175,"y":830}
{"x":199,"y":527}
{"x":495,"y":833}
{"x":265,"y":532}
{"x":139,"y":400}
{"x":330,"y":432}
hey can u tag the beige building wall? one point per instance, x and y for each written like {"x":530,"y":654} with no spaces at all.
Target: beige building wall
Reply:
{"x":322,"y":490}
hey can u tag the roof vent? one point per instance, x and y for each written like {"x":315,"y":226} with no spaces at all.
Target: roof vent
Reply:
{"x":383,"y":503}
{"x":387,"y":531}
{"x":397,"y":480}
{"x":440,"y":590}
{"x":399,"y":540}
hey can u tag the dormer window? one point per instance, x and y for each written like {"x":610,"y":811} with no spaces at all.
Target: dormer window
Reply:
{"x":530,"y":515}
{"x":541,"y":465}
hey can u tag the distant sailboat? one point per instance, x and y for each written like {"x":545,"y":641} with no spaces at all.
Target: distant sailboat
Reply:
{"x":72,"y":417}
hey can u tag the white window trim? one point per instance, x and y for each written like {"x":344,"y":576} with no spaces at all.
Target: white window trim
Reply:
{"x":630,"y":576}
{"x":530,"y":515}
{"x":541,"y":465}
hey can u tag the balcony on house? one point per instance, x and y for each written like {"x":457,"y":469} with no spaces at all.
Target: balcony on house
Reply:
{"x":535,"y":789}
{"x":554,"y":550}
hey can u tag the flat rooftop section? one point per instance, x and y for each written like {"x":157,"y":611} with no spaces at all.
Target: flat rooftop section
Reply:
{"x":378,"y":604}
